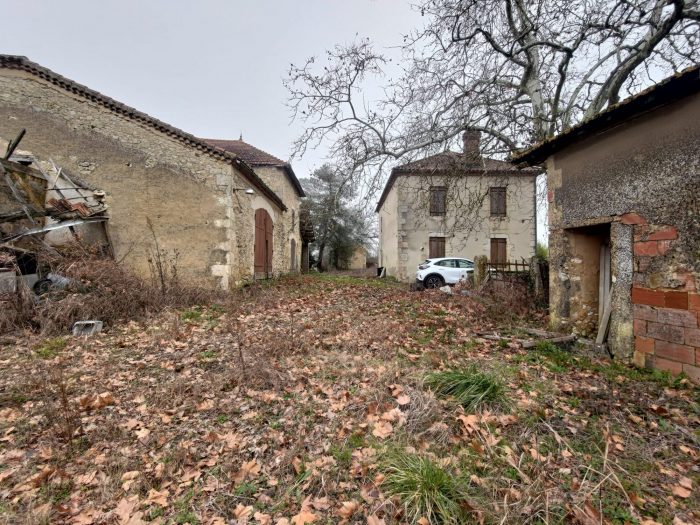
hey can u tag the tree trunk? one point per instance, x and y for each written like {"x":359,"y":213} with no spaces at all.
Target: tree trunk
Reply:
{"x":319,"y":263}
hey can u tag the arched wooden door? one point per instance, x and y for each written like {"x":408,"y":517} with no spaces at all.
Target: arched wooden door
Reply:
{"x":263,"y":244}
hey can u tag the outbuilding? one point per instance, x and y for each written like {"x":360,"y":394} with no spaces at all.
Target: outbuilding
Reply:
{"x":624,"y":219}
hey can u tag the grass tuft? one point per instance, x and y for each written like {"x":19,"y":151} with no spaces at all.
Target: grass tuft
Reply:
{"x":425,"y":489}
{"x":51,"y":347}
{"x":469,"y":387}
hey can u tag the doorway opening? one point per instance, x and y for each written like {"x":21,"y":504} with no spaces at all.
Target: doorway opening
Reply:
{"x":591,"y":279}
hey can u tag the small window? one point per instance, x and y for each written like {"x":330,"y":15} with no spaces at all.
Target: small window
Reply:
{"x":461,"y":263}
{"x":449,"y":263}
{"x":498,"y":202}
{"x":438,"y":200}
{"x":436,"y":247}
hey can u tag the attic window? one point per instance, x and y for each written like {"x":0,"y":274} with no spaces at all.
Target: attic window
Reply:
{"x":498,"y":202}
{"x":438,"y":200}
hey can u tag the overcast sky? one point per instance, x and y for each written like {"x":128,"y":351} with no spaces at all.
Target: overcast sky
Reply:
{"x":213,"y":68}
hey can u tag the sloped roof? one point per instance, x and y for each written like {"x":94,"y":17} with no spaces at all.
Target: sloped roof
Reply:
{"x":452,"y":160}
{"x":454,"y":164}
{"x":257,"y":157}
{"x":669,"y":90}
{"x":24,"y":64}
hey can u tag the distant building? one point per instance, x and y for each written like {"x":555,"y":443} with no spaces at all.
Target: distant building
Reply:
{"x":358,"y":261}
{"x":456,"y":204}
{"x":624,"y":214}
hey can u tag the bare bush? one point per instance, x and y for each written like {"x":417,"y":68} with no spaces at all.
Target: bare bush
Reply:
{"x":100,"y":288}
{"x":505,"y":297}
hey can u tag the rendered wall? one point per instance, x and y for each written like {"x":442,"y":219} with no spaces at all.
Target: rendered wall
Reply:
{"x":389,"y":241}
{"x":642,"y":178}
{"x":467,"y":225}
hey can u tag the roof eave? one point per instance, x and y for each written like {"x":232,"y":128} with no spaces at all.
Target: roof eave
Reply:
{"x":250,"y":174}
{"x":24,"y":64}
{"x":294,"y":180}
{"x":672,"y":89}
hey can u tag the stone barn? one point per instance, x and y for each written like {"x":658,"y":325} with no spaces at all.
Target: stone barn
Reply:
{"x":624,"y":218}
{"x":204,"y":204}
{"x":280,"y":177}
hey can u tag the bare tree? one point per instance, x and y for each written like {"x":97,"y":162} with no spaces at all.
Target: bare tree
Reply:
{"x":519,"y":71}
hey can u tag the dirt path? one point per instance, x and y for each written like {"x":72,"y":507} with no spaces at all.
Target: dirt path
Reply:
{"x":304,"y":401}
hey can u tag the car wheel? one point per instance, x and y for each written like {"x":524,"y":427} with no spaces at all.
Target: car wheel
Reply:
{"x":434,"y":281}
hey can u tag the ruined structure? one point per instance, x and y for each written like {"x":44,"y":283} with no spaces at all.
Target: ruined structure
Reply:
{"x":456,"y":204}
{"x":624,"y":215}
{"x":201,"y":201}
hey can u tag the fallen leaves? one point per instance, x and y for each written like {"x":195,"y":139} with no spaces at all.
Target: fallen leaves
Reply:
{"x":382,"y":429}
{"x":249,"y":470}
{"x":170,"y":426}
{"x":126,"y":512}
{"x":159,"y":498}
{"x":96,"y":402}
{"x":347,"y":509}
{"x":304,"y":517}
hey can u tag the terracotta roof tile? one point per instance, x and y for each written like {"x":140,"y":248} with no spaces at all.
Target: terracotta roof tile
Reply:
{"x":451,"y":160}
{"x":256,"y":157}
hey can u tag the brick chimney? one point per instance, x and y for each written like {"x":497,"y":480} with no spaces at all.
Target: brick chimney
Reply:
{"x":471,"y":139}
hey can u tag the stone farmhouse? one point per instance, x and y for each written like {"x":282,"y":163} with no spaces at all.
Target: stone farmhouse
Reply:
{"x":624,"y":212}
{"x":456,"y":204}
{"x":204,"y":203}
{"x":280,"y":177}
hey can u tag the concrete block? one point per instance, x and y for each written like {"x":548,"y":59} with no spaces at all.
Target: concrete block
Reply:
{"x":87,"y":328}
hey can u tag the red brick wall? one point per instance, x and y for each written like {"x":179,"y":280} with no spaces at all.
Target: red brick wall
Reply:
{"x":666,"y":320}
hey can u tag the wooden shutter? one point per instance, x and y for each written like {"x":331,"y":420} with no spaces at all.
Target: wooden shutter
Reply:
{"x":436,"y":247}
{"x":498,"y":202}
{"x":498,"y":252}
{"x":438,"y":200}
{"x":262,"y":253}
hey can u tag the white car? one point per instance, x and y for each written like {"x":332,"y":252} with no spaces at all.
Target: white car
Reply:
{"x":434,"y":273}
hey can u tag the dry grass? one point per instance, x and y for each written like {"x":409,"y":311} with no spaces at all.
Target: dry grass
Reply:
{"x":101,"y":289}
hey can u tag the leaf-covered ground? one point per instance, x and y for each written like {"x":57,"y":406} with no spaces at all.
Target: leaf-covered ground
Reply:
{"x":287,"y":405}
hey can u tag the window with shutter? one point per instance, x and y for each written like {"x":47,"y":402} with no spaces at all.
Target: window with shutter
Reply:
{"x":498,"y":202}
{"x":436,"y":247}
{"x":438,"y":200}
{"x":498,"y":252}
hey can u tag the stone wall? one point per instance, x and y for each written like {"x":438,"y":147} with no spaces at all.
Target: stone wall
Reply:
{"x":641,"y":180}
{"x":286,"y":224}
{"x":187,"y":194}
